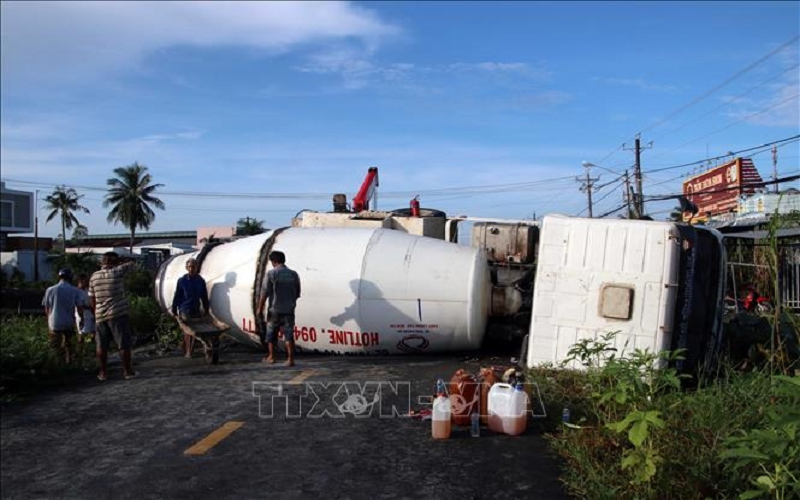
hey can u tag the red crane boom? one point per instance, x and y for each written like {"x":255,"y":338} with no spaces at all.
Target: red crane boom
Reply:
{"x":367,"y":190}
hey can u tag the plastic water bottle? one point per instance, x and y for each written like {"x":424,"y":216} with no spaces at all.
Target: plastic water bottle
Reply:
{"x":565,"y":415}
{"x":475,"y":425}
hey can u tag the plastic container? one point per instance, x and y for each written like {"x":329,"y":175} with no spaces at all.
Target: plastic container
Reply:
{"x":488,"y":379}
{"x":440,"y":416}
{"x":508,"y":409}
{"x":464,"y":397}
{"x":475,"y":425}
{"x":565,"y":415}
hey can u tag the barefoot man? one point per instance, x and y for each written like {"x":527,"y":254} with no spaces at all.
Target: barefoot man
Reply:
{"x":281,"y":287}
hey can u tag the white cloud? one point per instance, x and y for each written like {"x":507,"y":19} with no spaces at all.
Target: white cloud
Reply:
{"x":537,"y":101}
{"x":500,"y":68}
{"x":779,"y":109}
{"x":637,"y":83}
{"x":83,"y":40}
{"x":358,"y":70}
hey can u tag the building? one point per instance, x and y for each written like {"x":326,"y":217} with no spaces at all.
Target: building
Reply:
{"x":25,"y":255}
{"x":761,"y":204}
{"x":16,"y":213}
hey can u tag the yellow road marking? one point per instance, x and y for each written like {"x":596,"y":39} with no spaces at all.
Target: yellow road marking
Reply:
{"x":301,"y":376}
{"x":208,"y":442}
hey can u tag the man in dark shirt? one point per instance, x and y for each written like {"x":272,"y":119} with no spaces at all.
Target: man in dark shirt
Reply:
{"x":281,"y":287}
{"x":190,"y":293}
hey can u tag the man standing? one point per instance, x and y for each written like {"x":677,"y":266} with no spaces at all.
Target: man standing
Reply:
{"x":84,"y":315}
{"x":190,"y":293}
{"x":60,"y":302}
{"x":110,"y":306}
{"x":281,"y":287}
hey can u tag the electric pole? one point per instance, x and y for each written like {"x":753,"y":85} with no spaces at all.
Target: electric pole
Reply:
{"x":36,"y":237}
{"x":638,"y":205}
{"x":775,"y":167}
{"x":586,"y":185}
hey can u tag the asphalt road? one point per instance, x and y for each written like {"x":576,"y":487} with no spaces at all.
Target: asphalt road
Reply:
{"x":329,"y":427}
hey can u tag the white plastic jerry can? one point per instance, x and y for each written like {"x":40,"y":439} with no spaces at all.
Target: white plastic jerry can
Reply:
{"x":508,"y":409}
{"x":440,"y":416}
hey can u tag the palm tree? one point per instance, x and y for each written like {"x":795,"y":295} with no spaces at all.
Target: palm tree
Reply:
{"x":130,"y":195}
{"x":248,"y":226}
{"x":65,"y":202}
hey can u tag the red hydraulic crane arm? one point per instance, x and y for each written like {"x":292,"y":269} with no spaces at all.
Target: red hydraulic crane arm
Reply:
{"x":362,"y":199}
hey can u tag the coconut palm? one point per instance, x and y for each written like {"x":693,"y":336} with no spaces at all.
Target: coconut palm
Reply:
{"x":64,"y":202}
{"x":130,"y":195}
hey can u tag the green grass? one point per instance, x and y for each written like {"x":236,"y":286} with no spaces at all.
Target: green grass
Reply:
{"x":691,"y":449}
{"x":26,"y":359}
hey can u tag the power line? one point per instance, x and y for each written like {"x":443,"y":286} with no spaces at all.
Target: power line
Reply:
{"x":462,"y":190}
{"x":721,"y":85}
{"x":734,"y":188}
{"x":730,"y":101}
{"x":761,"y":112}
{"x":734,"y":153}
{"x":708,"y":93}
{"x":610,"y":192}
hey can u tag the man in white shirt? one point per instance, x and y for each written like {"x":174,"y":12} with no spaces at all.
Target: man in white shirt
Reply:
{"x":60,"y":302}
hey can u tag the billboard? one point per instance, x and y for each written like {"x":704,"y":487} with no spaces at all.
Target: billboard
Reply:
{"x":717,"y":191}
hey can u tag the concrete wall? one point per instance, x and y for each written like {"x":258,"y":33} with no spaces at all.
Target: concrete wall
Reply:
{"x":23,"y":260}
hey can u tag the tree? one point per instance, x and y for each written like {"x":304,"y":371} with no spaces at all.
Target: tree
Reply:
{"x":130,"y":195}
{"x":79,"y":234}
{"x":247,"y":226}
{"x":78,"y":263}
{"x":64,"y":201}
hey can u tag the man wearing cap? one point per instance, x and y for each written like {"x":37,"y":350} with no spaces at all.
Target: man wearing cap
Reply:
{"x":60,"y":303}
{"x":110,"y":306}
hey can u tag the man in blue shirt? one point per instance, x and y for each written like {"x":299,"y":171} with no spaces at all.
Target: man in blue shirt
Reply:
{"x":190,"y":293}
{"x":60,"y":303}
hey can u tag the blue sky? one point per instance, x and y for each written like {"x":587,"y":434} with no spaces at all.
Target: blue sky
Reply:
{"x":295,"y":101}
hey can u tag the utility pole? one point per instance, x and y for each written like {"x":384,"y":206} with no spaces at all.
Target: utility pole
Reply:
{"x":36,"y":237}
{"x":775,"y":167}
{"x":637,"y":175}
{"x":586,"y":185}
{"x":627,"y":196}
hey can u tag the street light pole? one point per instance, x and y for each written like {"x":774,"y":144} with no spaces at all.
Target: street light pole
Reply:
{"x":588,"y":185}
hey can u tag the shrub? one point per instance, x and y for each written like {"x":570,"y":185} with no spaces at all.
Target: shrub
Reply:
{"x":144,"y":315}
{"x":139,"y":282}
{"x":26,"y":358}
{"x":168,"y":333}
{"x":78,"y":263}
{"x":769,"y":455}
{"x":635,"y":434}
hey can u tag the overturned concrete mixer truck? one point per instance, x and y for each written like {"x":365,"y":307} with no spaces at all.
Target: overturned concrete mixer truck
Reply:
{"x":395,"y":283}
